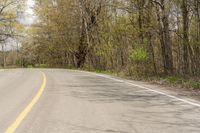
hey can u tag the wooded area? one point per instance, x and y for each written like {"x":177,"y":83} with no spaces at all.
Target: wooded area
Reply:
{"x":137,"y":37}
{"x":10,"y":31}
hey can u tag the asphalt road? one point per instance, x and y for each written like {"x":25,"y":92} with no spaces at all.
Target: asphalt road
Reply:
{"x":64,"y":101}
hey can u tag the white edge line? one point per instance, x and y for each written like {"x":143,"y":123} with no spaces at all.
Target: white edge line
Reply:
{"x":146,"y":88}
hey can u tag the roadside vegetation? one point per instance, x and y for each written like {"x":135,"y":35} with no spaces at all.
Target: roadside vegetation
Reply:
{"x":11,"y":31}
{"x":142,"y":39}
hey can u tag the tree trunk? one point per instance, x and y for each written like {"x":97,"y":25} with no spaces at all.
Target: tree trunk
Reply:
{"x":83,"y":48}
{"x":186,"y":55}
{"x":165,"y":38}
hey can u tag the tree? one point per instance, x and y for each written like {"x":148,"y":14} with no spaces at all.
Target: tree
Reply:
{"x":8,"y":23}
{"x":131,"y":36}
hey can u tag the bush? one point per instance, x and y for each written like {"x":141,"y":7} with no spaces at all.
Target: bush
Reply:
{"x":195,"y":85}
{"x":175,"y":79}
{"x":139,"y":55}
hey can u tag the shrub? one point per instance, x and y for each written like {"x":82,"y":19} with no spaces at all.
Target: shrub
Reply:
{"x":139,"y":55}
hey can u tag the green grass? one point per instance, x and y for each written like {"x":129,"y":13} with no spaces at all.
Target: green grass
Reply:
{"x":30,"y":66}
{"x":195,"y":85}
{"x":41,"y":66}
{"x":175,"y":79}
{"x":183,"y":82}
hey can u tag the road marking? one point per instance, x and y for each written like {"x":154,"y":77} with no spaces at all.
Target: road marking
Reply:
{"x":27,"y":110}
{"x":146,"y":88}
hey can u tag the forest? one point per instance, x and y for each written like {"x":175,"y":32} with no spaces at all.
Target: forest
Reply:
{"x":134,"y":37}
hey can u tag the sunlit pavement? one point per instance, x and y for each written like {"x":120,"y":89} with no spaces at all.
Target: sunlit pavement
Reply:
{"x":79,"y":102}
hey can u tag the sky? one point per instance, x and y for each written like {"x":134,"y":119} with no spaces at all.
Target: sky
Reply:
{"x":30,"y":4}
{"x":26,"y":17}
{"x":29,"y":16}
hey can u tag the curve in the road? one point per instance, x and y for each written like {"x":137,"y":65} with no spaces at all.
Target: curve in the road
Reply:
{"x":25,"y":112}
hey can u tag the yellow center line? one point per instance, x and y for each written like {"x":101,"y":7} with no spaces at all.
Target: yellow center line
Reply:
{"x":25,"y":112}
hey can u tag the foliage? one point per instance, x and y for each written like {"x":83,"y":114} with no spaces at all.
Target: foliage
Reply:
{"x":139,"y":55}
{"x":175,"y":79}
{"x":138,"y":37}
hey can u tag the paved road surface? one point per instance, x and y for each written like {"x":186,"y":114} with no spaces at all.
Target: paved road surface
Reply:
{"x":79,"y":102}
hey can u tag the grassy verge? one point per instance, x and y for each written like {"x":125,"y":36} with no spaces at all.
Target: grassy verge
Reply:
{"x":172,"y":81}
{"x":192,"y":83}
{"x":38,"y":66}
